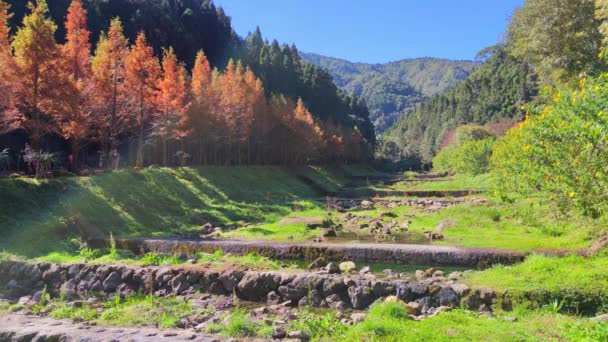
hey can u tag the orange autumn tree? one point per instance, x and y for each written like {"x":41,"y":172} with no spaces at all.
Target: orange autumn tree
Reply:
{"x":111,"y":98}
{"x":44,"y":88}
{"x":142,"y":75}
{"x":8,"y":115}
{"x":196,"y":124}
{"x":172,"y":99}
{"x":75,"y":125}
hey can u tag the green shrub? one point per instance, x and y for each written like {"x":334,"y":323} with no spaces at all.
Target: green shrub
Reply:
{"x":472,"y":158}
{"x":472,"y":132}
{"x":447,"y":159}
{"x":475,"y":157}
{"x":560,"y":151}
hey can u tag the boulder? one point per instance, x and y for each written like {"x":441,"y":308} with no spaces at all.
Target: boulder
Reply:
{"x":273,"y":298}
{"x":358,"y":317}
{"x":448,"y":297}
{"x":365,"y":270}
{"x":319,"y":262}
{"x":332,"y":268}
{"x":111,"y":282}
{"x":360,"y":296}
{"x":347,"y":266}
{"x":460,"y":289}
{"x":328,"y":232}
{"x":255,"y":285}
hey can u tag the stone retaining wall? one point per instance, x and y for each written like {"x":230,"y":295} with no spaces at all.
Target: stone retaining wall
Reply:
{"x":368,"y":253}
{"x":319,"y":290}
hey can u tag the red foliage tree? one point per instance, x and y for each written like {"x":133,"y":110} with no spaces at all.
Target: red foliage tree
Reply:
{"x":111,"y":100}
{"x":171,"y":101}
{"x":142,"y":75}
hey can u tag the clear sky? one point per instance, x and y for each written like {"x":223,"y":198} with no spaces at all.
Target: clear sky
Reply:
{"x":376,"y":31}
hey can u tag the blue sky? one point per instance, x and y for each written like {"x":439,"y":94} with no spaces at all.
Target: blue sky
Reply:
{"x":376,"y":31}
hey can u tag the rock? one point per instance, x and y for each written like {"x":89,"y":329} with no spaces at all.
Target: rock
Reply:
{"x":24,"y":300}
{"x":440,"y":310}
{"x":358,"y":317}
{"x":460,"y":289}
{"x":279,"y":333}
{"x":448,"y":297}
{"x":365,"y":270}
{"x":273,"y":298}
{"x":254,"y":285}
{"x":230,"y":280}
{"x":328,"y":232}
{"x":600,"y":318}
{"x":360,"y":296}
{"x":486,"y":294}
{"x":332,"y":268}
{"x":365,"y":204}
{"x":319,"y":262}
{"x":454,"y":276}
{"x":179,"y":284}
{"x":437,"y":274}
{"x":206,"y":229}
{"x":388,"y":214}
{"x":420,"y":275}
{"x":413,"y":308}
{"x":37,"y":296}
{"x":191,"y":261}
{"x":111,"y":282}
{"x":347,"y":266}
{"x":514,"y":319}
{"x":299,"y":334}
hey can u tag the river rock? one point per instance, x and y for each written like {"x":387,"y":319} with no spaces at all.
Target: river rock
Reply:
{"x":364,"y":270}
{"x":332,"y":268}
{"x":254,"y":286}
{"x":347,"y":266}
{"x":319,"y":262}
{"x":358,"y":317}
{"x":360,"y":296}
{"x":111,"y":282}
{"x":448,"y":297}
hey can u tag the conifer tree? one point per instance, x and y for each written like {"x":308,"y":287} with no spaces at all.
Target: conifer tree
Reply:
{"x":142,"y":75}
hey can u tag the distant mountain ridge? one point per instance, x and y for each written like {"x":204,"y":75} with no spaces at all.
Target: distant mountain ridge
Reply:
{"x":393,"y":89}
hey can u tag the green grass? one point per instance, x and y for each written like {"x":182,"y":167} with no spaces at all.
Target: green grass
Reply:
{"x":456,"y":182}
{"x":145,"y":310}
{"x":550,"y":273}
{"x":134,"y":311}
{"x":389,"y":322}
{"x":155,"y":202}
{"x":525,"y":225}
{"x":239,"y":324}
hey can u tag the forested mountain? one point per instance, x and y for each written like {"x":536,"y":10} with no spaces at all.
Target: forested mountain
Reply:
{"x":392,"y":89}
{"x":260,"y":100}
{"x":495,"y":90}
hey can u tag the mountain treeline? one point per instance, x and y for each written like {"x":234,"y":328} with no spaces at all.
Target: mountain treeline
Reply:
{"x":263,"y":105}
{"x":393,"y":89}
{"x":495,"y":90}
{"x":549,"y":44}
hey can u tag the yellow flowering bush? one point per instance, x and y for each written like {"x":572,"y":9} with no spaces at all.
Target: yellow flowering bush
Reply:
{"x":561,"y":150}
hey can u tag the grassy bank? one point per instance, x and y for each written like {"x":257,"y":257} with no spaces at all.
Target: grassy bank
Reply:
{"x":37,"y":214}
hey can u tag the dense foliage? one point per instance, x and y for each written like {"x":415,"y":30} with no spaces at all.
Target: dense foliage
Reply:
{"x":124,"y":97}
{"x":471,"y":154}
{"x":560,"y":38}
{"x":393,"y":89}
{"x":560,"y":150}
{"x":495,"y":90}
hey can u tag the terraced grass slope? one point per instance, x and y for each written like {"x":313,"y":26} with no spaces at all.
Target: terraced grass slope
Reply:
{"x":36,"y":215}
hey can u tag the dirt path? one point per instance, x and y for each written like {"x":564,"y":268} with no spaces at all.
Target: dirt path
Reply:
{"x":359,"y":252}
{"x":16,"y":327}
